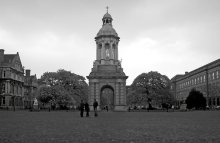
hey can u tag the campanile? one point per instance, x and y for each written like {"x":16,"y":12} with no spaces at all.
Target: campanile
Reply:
{"x":107,"y":81}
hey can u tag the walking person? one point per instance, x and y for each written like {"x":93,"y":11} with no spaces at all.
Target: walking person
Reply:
{"x":106,"y":108}
{"x":95,"y":105}
{"x":81,"y":108}
{"x":87,"y":109}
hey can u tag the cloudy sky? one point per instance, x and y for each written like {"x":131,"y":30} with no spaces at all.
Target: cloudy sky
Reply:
{"x":168,"y":36}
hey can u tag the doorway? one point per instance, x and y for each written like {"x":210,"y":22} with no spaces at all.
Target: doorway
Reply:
{"x":107,"y":98}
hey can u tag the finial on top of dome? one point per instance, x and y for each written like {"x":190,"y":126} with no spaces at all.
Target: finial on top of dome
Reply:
{"x":107,"y":8}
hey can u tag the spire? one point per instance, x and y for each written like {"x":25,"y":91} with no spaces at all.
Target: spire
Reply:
{"x":107,"y":8}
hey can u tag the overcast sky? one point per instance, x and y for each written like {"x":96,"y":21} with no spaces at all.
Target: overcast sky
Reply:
{"x":168,"y":36}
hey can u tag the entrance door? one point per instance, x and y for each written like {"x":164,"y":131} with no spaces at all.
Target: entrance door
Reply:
{"x":107,"y":98}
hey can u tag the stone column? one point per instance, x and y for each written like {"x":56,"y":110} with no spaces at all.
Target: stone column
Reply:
{"x":111,"y":51}
{"x":117,"y":93}
{"x":102,"y":51}
{"x":125,"y":94}
{"x":116,"y":51}
{"x":91,"y":96}
{"x":122,"y":94}
{"x":123,"y":98}
{"x":102,"y":54}
{"x":97,"y":51}
{"x":97,"y":93}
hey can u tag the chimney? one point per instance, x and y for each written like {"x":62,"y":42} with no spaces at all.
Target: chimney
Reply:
{"x":28,"y":72}
{"x":186,"y":72}
{"x":2,"y":55}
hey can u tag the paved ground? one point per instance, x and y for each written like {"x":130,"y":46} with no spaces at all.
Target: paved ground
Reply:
{"x":111,"y":127}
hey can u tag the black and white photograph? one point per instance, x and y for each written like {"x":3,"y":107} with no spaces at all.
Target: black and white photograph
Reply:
{"x":109,"y":71}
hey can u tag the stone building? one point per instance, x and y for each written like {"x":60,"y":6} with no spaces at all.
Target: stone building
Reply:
{"x":206,"y":79}
{"x":30,"y":89}
{"x":107,"y":81}
{"x":11,"y":80}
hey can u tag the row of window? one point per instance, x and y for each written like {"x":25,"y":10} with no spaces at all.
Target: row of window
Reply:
{"x":199,"y":79}
{"x":16,"y":102}
{"x":13,"y":75}
{"x":13,"y":89}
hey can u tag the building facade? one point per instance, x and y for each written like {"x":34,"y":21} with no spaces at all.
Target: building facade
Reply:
{"x":107,"y":81}
{"x":11,"y":80}
{"x":206,"y":79}
{"x":30,"y":89}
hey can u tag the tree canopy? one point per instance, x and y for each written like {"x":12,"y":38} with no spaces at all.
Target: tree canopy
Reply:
{"x":196,"y":100}
{"x":62,"y":87}
{"x":148,"y":86}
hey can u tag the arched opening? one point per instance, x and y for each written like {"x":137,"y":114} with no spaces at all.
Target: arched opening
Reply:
{"x":107,"y":97}
{"x":107,"y":50}
{"x":99,"y":54}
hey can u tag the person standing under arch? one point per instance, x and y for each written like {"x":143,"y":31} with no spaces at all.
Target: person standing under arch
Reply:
{"x":95,"y":105}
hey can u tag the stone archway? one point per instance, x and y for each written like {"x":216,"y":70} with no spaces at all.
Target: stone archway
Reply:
{"x":107,"y":97}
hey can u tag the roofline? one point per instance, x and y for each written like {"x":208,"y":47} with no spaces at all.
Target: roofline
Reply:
{"x":198,"y":70}
{"x":12,"y":68}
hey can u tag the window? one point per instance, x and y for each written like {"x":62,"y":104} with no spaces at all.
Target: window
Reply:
{"x":201,"y":79}
{"x":217,"y":74}
{"x":204,"y":78}
{"x":3,"y":88}
{"x":4,"y":74}
{"x":3,"y":100}
{"x":213,"y":101}
{"x":195,"y":80}
{"x":213,"y":75}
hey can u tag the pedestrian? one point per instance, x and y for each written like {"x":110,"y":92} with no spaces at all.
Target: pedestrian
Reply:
{"x":95,"y":105}
{"x":87,"y":109}
{"x":81,"y":108}
{"x":106,"y":108}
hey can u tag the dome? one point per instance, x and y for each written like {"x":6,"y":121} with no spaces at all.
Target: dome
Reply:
{"x":107,"y":30}
{"x":107,"y":15}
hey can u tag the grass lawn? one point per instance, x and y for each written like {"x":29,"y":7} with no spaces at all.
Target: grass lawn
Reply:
{"x":118,"y":127}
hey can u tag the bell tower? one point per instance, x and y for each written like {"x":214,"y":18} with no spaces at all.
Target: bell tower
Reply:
{"x":107,"y":42}
{"x":107,"y":81}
